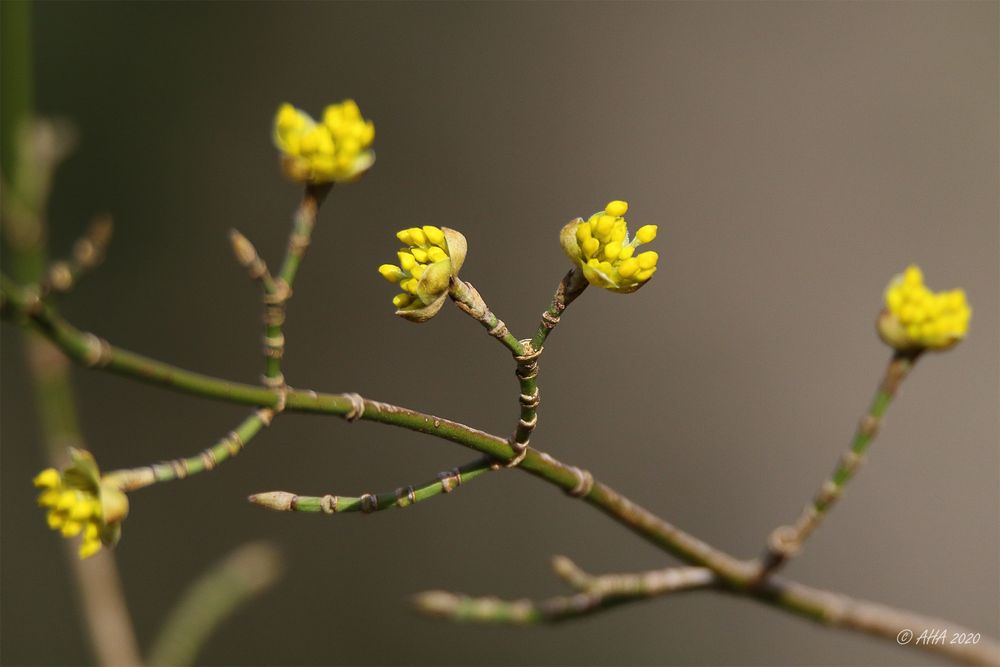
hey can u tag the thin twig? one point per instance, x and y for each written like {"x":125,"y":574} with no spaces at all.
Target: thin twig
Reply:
{"x":276,"y":300}
{"x":786,"y":541}
{"x":227,"y":447}
{"x":571,"y":286}
{"x":595,"y":594}
{"x":404,"y":496}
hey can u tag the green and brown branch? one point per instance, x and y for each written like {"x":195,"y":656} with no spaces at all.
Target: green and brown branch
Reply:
{"x":786,"y":541}
{"x":594,"y":594}
{"x":276,"y":299}
{"x":404,"y":496}
{"x":734,"y":575}
{"x":226,"y":448}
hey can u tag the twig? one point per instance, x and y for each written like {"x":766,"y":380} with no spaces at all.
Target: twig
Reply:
{"x":595,"y":594}
{"x":227,"y":447}
{"x":571,"y":286}
{"x":250,"y":259}
{"x":88,"y":252}
{"x":404,"y":496}
{"x":216,"y":595}
{"x":276,"y":300}
{"x":786,"y":541}
{"x":468,"y":299}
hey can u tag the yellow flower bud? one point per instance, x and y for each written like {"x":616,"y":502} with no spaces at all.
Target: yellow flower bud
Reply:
{"x":432,"y":257}
{"x":335,"y":151}
{"x":914,"y":318}
{"x":79,"y":501}
{"x":600,"y":246}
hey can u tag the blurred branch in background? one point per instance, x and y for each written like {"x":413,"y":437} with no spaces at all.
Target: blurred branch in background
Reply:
{"x":30,"y":152}
{"x":249,"y":570}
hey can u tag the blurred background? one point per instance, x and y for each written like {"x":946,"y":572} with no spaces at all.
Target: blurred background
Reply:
{"x":795,"y":156}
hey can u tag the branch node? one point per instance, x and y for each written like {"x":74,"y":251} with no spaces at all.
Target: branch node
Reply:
{"x":357,"y":410}
{"x":369,"y":503}
{"x":584,"y":483}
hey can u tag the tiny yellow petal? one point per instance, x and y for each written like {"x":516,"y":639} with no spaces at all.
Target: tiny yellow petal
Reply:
{"x":419,"y":254}
{"x":436,"y":254}
{"x":913,"y":275}
{"x":48,"y":478}
{"x":49,"y":498}
{"x":590,"y":247}
{"x":71,"y":528}
{"x":628,"y":268}
{"x":612,"y":250}
{"x":646,"y":233}
{"x":391,"y":272}
{"x":648,"y":259}
{"x":434,"y":235}
{"x":616,"y":208}
{"x":89,"y":547}
{"x":406,"y":260}
{"x":418,"y":236}
{"x":402,"y":300}
{"x":645,"y":275}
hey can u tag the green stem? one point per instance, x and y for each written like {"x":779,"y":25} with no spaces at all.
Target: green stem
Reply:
{"x":227,"y":447}
{"x":216,"y":595}
{"x":445,"y":482}
{"x":276,"y":300}
{"x":786,"y":541}
{"x":570,"y":287}
{"x":596,"y":595}
{"x":468,"y":299}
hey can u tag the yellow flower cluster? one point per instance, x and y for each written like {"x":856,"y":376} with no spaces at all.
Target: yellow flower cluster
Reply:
{"x":914,"y":317}
{"x":602,"y":248}
{"x":426,"y":265}
{"x":78,"y":502}
{"x":335,"y":150}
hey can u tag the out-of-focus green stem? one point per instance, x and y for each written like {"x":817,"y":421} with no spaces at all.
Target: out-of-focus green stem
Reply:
{"x":15,"y":84}
{"x":109,"y":625}
{"x":216,"y":595}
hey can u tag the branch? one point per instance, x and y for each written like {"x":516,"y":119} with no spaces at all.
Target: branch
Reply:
{"x":209,"y":600}
{"x":404,"y":496}
{"x":276,"y":298}
{"x":227,"y":447}
{"x":739,"y":576}
{"x":595,"y":594}
{"x":601,"y":593}
{"x":786,"y":541}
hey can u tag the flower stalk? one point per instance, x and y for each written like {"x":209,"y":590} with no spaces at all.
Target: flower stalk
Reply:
{"x":786,"y":542}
